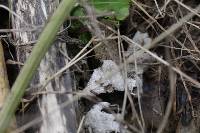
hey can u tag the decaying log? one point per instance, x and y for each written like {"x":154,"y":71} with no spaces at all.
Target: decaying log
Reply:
{"x":4,"y":86}
{"x":33,"y":14}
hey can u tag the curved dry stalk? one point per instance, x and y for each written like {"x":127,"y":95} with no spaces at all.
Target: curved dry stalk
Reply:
{"x":72,"y":62}
{"x":77,"y":58}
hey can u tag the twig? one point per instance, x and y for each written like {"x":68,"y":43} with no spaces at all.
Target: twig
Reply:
{"x":88,"y":16}
{"x":139,"y":89}
{"x":172,"y":78}
{"x":125,"y":86}
{"x":39,"y":119}
{"x":81,"y":124}
{"x":16,"y":15}
{"x":162,"y":36}
{"x":166,"y":33}
{"x":20,"y":30}
{"x":143,"y":49}
{"x":156,"y":3}
{"x":188,"y":8}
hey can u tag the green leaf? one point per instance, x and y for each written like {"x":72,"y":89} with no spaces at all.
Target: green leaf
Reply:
{"x":119,"y":7}
{"x":78,"y":11}
{"x":85,"y":37}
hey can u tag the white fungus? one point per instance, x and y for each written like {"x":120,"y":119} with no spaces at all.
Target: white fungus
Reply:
{"x":108,"y":75}
{"x":100,"y":121}
{"x":139,"y":38}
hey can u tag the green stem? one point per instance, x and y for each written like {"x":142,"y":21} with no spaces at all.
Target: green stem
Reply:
{"x":44,"y":42}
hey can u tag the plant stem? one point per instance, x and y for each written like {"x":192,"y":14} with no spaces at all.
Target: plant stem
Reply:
{"x":44,"y":42}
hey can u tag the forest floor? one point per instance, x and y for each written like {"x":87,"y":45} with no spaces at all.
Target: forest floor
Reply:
{"x":153,"y":60}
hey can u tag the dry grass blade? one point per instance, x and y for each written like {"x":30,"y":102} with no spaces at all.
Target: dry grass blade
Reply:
{"x":40,"y":119}
{"x":188,"y":8}
{"x":143,"y":49}
{"x":81,"y":124}
{"x":16,"y":15}
{"x":166,"y":33}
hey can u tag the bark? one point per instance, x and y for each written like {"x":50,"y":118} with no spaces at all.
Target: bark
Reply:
{"x":33,"y":15}
{"x":4,"y":86}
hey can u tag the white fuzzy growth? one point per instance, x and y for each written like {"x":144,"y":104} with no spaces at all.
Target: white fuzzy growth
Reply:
{"x":99,"y":121}
{"x":142,"y":38}
{"x":139,"y":38}
{"x":108,"y":74}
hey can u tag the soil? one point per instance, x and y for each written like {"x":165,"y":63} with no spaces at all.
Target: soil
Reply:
{"x":181,"y":49}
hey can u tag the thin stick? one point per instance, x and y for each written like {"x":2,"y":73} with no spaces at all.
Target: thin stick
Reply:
{"x":188,"y":8}
{"x":81,"y":124}
{"x":39,"y":119}
{"x":125,"y":86}
{"x":156,"y":3}
{"x":72,"y":62}
{"x":139,"y":89}
{"x":88,"y":16}
{"x":166,"y":33}
{"x":195,"y":82}
{"x":16,"y":15}
{"x":172,"y":78}
{"x":162,"y":36}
